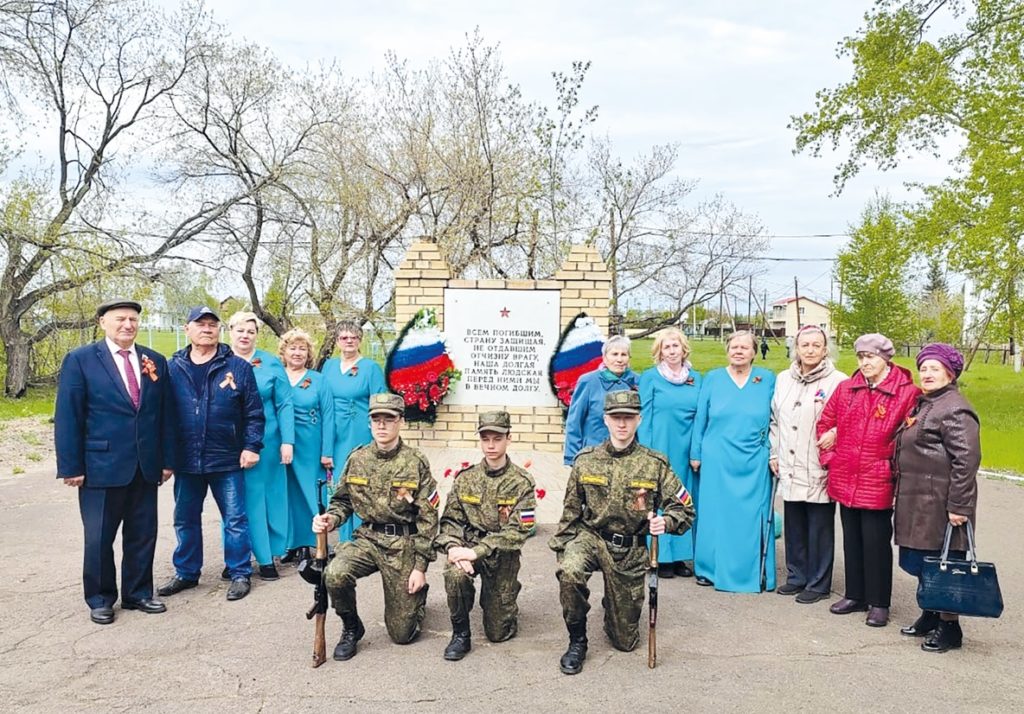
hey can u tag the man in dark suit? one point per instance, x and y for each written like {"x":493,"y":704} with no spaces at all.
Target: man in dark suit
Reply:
{"x":113,"y":427}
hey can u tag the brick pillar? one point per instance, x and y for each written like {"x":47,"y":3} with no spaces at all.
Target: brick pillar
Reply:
{"x":586,"y":286}
{"x":420,"y":282}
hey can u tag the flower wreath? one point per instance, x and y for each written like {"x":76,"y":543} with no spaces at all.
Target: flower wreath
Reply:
{"x":419,"y":368}
{"x":578,"y":351}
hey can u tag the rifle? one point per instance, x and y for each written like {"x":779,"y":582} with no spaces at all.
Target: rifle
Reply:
{"x":652,"y":600}
{"x":312,"y":571}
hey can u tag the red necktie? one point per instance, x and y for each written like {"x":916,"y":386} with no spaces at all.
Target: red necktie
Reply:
{"x":133,"y":383}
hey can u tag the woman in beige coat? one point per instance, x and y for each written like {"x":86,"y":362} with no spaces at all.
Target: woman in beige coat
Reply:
{"x":800,"y":395}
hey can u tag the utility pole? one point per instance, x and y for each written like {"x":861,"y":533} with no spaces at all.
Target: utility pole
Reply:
{"x":764,"y":315}
{"x":796,"y":293}
{"x":721,"y":295}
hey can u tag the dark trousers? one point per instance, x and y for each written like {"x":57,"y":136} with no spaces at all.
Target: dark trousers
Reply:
{"x":810,"y":533}
{"x":133,"y":509}
{"x":867,"y":548}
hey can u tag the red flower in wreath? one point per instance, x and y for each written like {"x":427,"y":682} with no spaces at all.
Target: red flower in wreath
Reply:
{"x":435,"y":393}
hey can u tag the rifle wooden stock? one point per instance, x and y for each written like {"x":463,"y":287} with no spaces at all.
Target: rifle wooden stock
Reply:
{"x":319,"y":637}
{"x":652,"y":622}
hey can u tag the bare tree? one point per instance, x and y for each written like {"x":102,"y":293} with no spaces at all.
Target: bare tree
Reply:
{"x":98,"y":72}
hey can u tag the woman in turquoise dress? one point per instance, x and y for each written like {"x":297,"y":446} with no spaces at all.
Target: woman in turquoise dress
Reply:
{"x":351,"y":379}
{"x":314,"y":440}
{"x":668,"y":405}
{"x":729,"y":451}
{"x":266,"y":490}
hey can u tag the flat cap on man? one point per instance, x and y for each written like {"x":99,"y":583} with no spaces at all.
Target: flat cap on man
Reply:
{"x":624,"y":401}
{"x":197,"y":313}
{"x":387,"y":403}
{"x":499,"y":422}
{"x":104,"y":307}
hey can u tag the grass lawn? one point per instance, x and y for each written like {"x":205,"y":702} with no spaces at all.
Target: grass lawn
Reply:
{"x":994,"y":390}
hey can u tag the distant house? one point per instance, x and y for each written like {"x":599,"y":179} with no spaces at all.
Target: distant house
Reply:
{"x":785,"y":321}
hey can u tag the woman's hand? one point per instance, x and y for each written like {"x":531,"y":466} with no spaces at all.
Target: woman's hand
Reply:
{"x":695,"y":465}
{"x":957,"y":520}
{"x":828,"y":439}
{"x":287,"y":451}
{"x":773,"y":464}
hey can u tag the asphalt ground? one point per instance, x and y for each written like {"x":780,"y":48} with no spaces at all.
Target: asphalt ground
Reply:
{"x":716,"y":651}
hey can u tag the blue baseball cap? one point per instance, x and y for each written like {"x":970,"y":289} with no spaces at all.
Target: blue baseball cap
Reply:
{"x":199,"y":312}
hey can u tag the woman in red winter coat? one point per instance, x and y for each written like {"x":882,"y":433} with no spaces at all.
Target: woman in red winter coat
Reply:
{"x":856,"y":434}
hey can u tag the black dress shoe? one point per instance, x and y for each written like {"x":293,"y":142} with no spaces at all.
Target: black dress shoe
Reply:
{"x":102,"y":615}
{"x":704,"y":582}
{"x":809,"y":596}
{"x":175,"y":585}
{"x":846,"y":606}
{"x":683,"y":570}
{"x":877,"y":617}
{"x":947,"y":636}
{"x":268,"y":572}
{"x":923,"y":626}
{"x":789,"y":589}
{"x":292,"y":556}
{"x":225,"y":574}
{"x":665,"y":570}
{"x":146,"y":605}
{"x":240,"y":587}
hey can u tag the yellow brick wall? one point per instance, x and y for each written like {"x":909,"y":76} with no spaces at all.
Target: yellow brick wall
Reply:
{"x":585,"y":285}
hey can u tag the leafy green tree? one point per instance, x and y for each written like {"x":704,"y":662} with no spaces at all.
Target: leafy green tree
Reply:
{"x":874,"y":272}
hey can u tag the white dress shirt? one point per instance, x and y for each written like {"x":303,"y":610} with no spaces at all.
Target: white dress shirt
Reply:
{"x":133,"y":357}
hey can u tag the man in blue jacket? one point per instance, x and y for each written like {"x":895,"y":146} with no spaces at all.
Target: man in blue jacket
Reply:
{"x":220,"y":434}
{"x":114,"y":443}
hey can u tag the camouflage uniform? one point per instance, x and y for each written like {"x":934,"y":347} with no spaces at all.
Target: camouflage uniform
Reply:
{"x":396,"y":496}
{"x":604,"y":527}
{"x":491,"y":512}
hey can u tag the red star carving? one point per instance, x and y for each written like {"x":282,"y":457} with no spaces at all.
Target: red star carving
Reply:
{"x":504,"y":312}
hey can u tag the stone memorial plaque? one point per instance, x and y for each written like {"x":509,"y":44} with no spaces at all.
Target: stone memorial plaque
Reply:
{"x":501,"y":341}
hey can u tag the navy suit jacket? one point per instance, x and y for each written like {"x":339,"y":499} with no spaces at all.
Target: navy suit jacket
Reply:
{"x":98,"y":431}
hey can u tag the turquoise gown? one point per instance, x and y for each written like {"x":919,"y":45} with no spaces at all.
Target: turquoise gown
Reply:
{"x":266,"y":483}
{"x":351,"y":395}
{"x":734,"y":513}
{"x":668,"y":411}
{"x":314,"y":439}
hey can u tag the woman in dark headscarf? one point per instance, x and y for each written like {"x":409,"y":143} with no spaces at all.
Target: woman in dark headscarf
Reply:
{"x":938,"y":452}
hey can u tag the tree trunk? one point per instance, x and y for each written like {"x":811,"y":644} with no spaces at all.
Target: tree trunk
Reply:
{"x":19,"y":352}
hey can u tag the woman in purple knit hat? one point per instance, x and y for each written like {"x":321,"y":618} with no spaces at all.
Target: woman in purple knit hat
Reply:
{"x":938,"y":452}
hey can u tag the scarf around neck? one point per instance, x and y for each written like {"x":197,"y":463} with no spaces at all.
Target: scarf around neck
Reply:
{"x":675,"y":378}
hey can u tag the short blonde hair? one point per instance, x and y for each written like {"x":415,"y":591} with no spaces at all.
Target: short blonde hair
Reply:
{"x":242,"y":316}
{"x":742,"y":333}
{"x":290,"y":338}
{"x":669,"y":332}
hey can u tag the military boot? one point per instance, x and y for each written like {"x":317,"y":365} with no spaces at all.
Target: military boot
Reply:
{"x":460,"y":644}
{"x":353,"y":632}
{"x":572,"y":660}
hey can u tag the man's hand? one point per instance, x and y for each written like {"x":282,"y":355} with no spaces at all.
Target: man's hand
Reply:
{"x":773,"y":464}
{"x":248,"y":459}
{"x":287,"y":451}
{"x":463,"y":558}
{"x":956,"y":519}
{"x":657,"y":524}
{"x":323,"y":523}
{"x":828,"y":439}
{"x":76,"y":481}
{"x":417,"y":579}
{"x":165,"y":476}
{"x":327,"y":462}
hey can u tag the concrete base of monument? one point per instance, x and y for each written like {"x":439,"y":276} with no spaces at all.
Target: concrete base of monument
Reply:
{"x":549,"y":474}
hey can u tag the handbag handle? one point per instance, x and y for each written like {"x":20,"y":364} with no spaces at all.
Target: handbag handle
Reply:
{"x":972,"y":554}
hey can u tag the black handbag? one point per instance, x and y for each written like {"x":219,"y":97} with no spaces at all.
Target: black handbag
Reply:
{"x":959,"y":587}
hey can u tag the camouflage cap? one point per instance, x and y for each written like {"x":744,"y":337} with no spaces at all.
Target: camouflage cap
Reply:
{"x":624,"y":401}
{"x":499,"y":422}
{"x":387,"y":403}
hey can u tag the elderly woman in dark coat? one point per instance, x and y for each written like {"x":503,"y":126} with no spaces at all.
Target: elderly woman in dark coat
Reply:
{"x":937,"y":454}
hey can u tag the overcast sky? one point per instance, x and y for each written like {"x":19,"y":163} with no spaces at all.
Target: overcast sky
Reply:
{"x":719,"y":78}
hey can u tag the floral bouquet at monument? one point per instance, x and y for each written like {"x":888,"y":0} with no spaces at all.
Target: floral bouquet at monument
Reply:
{"x":419,"y":368}
{"x":578,"y":352}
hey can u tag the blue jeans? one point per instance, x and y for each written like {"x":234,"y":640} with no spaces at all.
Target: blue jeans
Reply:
{"x":228,"y":488}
